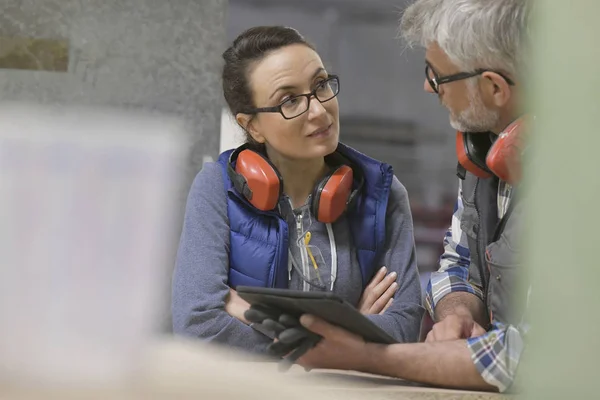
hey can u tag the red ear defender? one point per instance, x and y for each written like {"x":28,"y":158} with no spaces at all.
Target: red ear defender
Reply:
{"x":331,"y":196}
{"x":504,"y":158}
{"x":263,"y":185}
{"x":478,"y":155}
{"x":257,"y":179}
{"x":471,"y":150}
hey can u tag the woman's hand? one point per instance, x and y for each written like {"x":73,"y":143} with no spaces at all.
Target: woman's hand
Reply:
{"x":379,"y":293}
{"x":236,"y":306}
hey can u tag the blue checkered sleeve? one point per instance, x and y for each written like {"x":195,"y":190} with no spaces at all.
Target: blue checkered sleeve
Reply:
{"x":453,"y":274}
{"x":496,"y":354}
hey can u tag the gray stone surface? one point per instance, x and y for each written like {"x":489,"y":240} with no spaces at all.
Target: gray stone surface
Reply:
{"x":154,"y":55}
{"x":142,"y":54}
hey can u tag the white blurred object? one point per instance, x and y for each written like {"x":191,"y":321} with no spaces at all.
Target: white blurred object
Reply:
{"x":86,"y":220}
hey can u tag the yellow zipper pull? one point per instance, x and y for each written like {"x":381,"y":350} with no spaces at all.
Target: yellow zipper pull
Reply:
{"x":310,"y":254}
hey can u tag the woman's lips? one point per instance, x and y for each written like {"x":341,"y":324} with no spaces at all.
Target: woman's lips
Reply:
{"x":321,"y":132}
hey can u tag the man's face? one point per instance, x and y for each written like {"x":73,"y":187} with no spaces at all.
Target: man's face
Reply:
{"x":468,"y":110}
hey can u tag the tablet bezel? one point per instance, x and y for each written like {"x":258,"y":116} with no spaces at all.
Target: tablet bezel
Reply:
{"x":324,"y":305}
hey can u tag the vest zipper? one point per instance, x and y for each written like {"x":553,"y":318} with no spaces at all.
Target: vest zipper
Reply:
{"x":280,"y":254}
{"x":303,"y":255}
{"x":481,"y":263}
{"x":502,"y":223}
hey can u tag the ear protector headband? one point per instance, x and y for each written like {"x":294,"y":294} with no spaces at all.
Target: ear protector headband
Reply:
{"x":483,"y":158}
{"x":257,"y":179}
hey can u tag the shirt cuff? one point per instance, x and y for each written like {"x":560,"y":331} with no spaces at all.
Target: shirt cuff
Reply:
{"x":496,"y":355}
{"x":439,"y":287}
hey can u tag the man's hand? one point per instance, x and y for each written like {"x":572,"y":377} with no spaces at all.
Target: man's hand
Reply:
{"x":339,"y":349}
{"x":379,"y":293}
{"x":454,"y":327}
{"x":460,"y":315}
{"x":236,"y":306}
{"x":461,"y":303}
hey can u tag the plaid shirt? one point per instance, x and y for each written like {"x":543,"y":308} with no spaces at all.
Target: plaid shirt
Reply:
{"x":495,"y":354}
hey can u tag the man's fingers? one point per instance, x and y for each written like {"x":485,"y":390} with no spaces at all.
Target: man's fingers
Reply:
{"x":430,"y":336}
{"x":477,"y":330}
{"x":447,"y":330}
{"x":319,"y":326}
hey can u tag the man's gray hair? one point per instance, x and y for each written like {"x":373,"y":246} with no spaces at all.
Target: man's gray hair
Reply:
{"x":491,"y":34}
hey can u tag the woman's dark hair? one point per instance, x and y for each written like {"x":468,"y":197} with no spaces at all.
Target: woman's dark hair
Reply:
{"x":249,"y":47}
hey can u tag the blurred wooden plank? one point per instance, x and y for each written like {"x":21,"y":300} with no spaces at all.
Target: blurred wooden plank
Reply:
{"x":34,"y":54}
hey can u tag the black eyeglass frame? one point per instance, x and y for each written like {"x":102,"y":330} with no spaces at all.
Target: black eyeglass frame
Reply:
{"x":313,"y":93}
{"x":437,"y":80}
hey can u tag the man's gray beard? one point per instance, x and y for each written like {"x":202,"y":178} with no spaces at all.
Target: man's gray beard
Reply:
{"x":477,"y":117}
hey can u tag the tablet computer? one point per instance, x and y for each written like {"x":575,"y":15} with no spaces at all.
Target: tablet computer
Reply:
{"x":324,"y":305}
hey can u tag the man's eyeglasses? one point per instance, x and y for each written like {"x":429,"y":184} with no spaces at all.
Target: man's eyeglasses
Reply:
{"x":297,"y":105}
{"x":435,"y":81}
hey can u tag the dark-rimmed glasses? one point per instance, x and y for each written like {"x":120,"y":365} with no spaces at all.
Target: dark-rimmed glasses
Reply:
{"x":435,"y":81}
{"x":295,"y":106}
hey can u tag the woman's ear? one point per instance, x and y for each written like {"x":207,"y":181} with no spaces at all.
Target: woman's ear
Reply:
{"x":248,"y":124}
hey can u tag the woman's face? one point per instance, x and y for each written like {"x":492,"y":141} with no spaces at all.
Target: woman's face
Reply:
{"x":290,"y":71}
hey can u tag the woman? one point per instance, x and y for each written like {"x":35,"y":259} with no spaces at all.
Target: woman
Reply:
{"x":273,"y":212}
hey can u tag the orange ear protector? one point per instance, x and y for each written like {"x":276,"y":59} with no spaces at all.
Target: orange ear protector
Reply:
{"x":478,"y":155}
{"x":257,"y":179}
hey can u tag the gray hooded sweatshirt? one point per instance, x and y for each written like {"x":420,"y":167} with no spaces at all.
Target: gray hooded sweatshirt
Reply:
{"x":199,"y":288}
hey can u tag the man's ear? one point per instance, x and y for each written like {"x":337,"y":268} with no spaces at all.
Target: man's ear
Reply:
{"x":247,"y":122}
{"x":497,"y":89}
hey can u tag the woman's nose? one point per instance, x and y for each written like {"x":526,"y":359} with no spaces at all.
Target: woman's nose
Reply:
{"x":315,"y":108}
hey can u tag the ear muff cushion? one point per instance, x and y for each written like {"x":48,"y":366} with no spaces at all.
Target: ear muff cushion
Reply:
{"x":466,"y":159}
{"x":261,"y":178}
{"x":504,"y":158}
{"x":331,"y":195}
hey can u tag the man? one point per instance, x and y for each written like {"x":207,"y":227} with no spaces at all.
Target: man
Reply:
{"x":475,"y":52}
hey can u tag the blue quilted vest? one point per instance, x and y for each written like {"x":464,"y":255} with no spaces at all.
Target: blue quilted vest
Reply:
{"x":258,"y":252}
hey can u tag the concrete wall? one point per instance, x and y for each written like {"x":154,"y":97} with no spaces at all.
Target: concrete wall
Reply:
{"x":380,"y":80}
{"x":140,"y":54}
